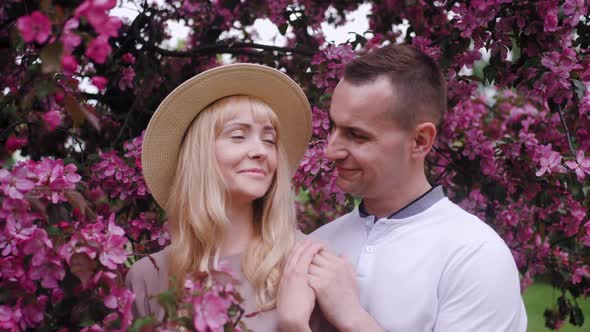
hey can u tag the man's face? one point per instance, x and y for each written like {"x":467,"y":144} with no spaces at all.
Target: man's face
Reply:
{"x":371,"y":152}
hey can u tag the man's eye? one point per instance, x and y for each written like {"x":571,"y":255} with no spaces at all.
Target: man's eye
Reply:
{"x":356,"y":135}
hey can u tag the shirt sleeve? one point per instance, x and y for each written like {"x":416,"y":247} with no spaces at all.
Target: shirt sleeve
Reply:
{"x":480,"y":291}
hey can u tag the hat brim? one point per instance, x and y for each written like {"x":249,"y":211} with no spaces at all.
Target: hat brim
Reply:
{"x":167,"y":127}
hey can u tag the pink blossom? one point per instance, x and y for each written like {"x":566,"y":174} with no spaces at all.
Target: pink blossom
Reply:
{"x":14,"y":210}
{"x":321,"y":122}
{"x":96,"y":13}
{"x":38,"y":246}
{"x":93,"y":328}
{"x":550,"y":22}
{"x":10,"y":318}
{"x":100,"y":82}
{"x":20,"y":229}
{"x":33,"y":313}
{"x":49,"y":272}
{"x":580,"y":273}
{"x":35,"y":27}
{"x":117,"y":178}
{"x":586,"y":239}
{"x":550,"y":163}
{"x":427,"y":47}
{"x":14,"y":143}
{"x":126,"y":80}
{"x":210,"y":312}
{"x":52,"y":120}
{"x":277,"y":10}
{"x":573,"y":10}
{"x":133,"y":149}
{"x":581,"y":166}
{"x":108,"y":26}
{"x":54,"y":175}
{"x":128,"y":58}
{"x":69,"y":39}
{"x":99,"y":49}
{"x":16,"y":184}
{"x":113,"y":247}
{"x":69,"y":64}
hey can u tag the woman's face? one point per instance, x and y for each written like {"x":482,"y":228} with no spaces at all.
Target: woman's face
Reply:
{"x":246,"y":154}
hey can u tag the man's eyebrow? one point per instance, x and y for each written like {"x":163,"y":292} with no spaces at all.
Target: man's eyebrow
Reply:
{"x":350,"y":128}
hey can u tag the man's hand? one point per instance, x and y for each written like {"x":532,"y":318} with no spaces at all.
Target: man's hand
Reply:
{"x":334,"y":282}
{"x":295,"y":298}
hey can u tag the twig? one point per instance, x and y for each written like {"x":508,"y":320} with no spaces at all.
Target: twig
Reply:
{"x":229,"y":47}
{"x":567,"y":131}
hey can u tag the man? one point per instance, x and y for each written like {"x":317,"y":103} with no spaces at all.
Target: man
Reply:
{"x":407,"y":259}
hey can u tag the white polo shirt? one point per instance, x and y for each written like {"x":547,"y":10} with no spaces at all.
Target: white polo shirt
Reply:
{"x":438,"y":269}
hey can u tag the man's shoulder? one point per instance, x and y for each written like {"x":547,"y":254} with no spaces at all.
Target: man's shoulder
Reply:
{"x":340,"y":226}
{"x":462,"y":225}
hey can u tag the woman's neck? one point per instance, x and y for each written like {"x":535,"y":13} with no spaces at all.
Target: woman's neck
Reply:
{"x":239,"y":234}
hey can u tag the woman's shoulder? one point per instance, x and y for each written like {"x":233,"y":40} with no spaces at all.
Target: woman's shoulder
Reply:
{"x":152,"y":268}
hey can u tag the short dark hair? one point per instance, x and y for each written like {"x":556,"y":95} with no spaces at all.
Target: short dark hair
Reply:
{"x":420,"y":87}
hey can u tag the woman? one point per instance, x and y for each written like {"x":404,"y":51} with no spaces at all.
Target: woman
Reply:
{"x":218,"y":155}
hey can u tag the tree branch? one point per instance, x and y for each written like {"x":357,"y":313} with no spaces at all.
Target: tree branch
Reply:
{"x":567,"y":131}
{"x":227,"y":47}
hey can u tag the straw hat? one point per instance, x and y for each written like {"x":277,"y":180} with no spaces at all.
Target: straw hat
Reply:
{"x":165,"y":132}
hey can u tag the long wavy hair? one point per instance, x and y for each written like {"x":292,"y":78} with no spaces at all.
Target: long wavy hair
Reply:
{"x":198,"y":200}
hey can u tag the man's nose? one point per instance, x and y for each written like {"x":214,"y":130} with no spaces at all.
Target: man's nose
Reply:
{"x":335,"y":149}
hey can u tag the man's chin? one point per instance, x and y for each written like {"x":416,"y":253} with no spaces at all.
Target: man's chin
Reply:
{"x":347,"y":186}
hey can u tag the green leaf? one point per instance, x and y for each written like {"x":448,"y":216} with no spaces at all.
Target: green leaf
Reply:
{"x":52,"y":230}
{"x":82,"y":266}
{"x":51,"y":58}
{"x":283,"y":28}
{"x":43,"y":88}
{"x":167,"y":300}
{"x":141,"y":323}
{"x":577,"y":316}
{"x":579,"y":88}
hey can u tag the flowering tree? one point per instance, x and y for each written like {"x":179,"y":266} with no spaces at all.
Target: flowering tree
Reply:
{"x":79,"y":86}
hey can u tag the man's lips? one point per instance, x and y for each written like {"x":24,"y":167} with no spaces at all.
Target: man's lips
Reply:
{"x":344,"y":170}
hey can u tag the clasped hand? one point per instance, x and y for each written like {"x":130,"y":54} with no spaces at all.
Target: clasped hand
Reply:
{"x":314,"y":272}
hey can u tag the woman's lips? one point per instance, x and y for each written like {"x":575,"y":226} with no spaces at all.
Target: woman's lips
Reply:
{"x":253,"y":171}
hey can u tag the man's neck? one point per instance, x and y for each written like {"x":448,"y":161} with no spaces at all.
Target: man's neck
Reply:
{"x":395,"y":199}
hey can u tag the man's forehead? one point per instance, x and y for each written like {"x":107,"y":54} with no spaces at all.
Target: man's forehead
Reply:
{"x":361,"y":102}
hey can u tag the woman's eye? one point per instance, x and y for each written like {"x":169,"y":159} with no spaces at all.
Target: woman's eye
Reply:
{"x":269,"y":141}
{"x":237,"y":137}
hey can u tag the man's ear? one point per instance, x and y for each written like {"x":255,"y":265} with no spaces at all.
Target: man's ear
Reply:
{"x":424,"y":136}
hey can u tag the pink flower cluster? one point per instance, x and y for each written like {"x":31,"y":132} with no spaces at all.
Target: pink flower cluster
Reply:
{"x":38,"y":249}
{"x":35,"y":27}
{"x":330,"y":64}
{"x":121,"y":178}
{"x":215,"y":302}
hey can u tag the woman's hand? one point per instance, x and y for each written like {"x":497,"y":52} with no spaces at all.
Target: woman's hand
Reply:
{"x":295,"y":298}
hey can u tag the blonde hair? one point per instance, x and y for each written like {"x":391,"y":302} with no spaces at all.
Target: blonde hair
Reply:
{"x":197,"y":205}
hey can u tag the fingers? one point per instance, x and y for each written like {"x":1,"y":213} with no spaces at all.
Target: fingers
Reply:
{"x":294,"y":255}
{"x":307,"y":256}
{"x":321,"y":259}
{"x":301,"y":255}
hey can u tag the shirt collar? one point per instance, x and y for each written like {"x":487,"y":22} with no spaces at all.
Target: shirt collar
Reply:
{"x":415,"y":207}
